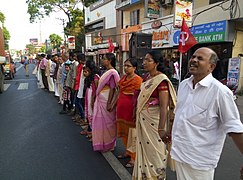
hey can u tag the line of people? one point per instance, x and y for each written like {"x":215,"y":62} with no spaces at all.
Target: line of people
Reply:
{"x":140,"y":110}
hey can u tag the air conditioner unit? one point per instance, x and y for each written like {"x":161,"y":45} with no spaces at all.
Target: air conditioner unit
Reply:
{"x":166,"y":2}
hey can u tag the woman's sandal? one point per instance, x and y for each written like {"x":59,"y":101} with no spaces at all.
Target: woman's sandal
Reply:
{"x":84,"y":132}
{"x":123,"y":156}
{"x":89,"y":136}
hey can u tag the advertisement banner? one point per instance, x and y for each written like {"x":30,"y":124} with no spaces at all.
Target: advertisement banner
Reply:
{"x":71,"y":42}
{"x":152,"y":9}
{"x":233,"y":72}
{"x":183,"y":9}
{"x":34,"y":41}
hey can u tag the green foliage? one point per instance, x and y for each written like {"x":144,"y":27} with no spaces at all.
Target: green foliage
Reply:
{"x":43,"y":49}
{"x":74,"y":27}
{"x":2,"y":17}
{"x":55,"y":40}
{"x":38,"y":9}
{"x":6,"y":34}
{"x":87,"y":3}
{"x":31,"y":48}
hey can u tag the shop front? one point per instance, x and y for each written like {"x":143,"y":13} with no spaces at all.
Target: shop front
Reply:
{"x":161,"y":30}
{"x":101,"y":43}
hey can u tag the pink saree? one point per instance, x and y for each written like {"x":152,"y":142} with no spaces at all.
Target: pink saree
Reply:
{"x":104,"y":122}
{"x":89,"y":95}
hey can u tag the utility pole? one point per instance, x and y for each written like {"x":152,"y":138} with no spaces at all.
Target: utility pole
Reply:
{"x":40,"y":33}
{"x":63,"y":25}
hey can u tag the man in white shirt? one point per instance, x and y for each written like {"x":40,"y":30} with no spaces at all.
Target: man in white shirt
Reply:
{"x":204,"y":115}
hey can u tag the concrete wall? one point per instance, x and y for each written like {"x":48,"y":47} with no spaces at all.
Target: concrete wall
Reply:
{"x":200,"y":3}
{"x":106,"y":11}
{"x":215,"y":13}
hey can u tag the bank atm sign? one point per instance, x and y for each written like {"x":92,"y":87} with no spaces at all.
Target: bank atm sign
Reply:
{"x":206,"y":33}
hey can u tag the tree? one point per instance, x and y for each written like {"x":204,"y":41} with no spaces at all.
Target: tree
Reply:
{"x":2,"y":17}
{"x":43,"y":49}
{"x":6,"y":33}
{"x":40,"y":9}
{"x":75,"y":16}
{"x":30,"y":48}
{"x":55,"y":40}
{"x":76,"y":28}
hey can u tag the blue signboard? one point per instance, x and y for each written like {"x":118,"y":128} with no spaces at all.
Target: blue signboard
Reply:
{"x":205,"y":33}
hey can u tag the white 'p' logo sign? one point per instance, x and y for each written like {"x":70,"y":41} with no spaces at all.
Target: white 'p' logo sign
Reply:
{"x":184,"y":37}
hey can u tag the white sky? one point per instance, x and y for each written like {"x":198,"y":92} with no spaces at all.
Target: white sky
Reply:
{"x":21,"y":30}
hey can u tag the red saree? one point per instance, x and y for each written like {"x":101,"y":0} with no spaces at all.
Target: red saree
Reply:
{"x":125,"y":106}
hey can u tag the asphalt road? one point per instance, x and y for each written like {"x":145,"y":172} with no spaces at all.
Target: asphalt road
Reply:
{"x":36,"y":142}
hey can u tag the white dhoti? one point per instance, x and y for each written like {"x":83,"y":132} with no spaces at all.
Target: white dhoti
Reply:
{"x":186,"y":172}
{"x":50,"y":83}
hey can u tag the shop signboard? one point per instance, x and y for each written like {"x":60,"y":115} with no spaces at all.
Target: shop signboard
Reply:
{"x":152,"y":9}
{"x":183,"y":9}
{"x":126,"y":34}
{"x":161,"y":37}
{"x":233,"y":72}
{"x":71,"y":42}
{"x":206,"y":33}
{"x":34,"y":41}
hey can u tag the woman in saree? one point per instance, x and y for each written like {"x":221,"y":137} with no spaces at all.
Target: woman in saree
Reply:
{"x":154,"y":104}
{"x":104,"y":115}
{"x":128,"y":84}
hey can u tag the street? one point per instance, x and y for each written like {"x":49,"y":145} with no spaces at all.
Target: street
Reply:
{"x":36,"y":142}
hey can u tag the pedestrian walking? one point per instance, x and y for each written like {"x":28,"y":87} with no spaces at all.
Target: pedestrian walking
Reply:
{"x":104,"y":117}
{"x":26,"y":66}
{"x":155,"y":103}
{"x":204,"y":115}
{"x":128,"y":84}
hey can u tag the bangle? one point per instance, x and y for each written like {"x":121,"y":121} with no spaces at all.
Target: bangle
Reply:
{"x":161,"y":129}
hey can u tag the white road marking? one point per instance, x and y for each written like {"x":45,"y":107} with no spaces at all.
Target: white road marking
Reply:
{"x":16,"y":80}
{"x":6,"y":86}
{"x":120,"y":170}
{"x":20,"y":66}
{"x":23,"y":86}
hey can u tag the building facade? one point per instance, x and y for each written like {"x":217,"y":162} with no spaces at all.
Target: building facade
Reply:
{"x":215,"y":24}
